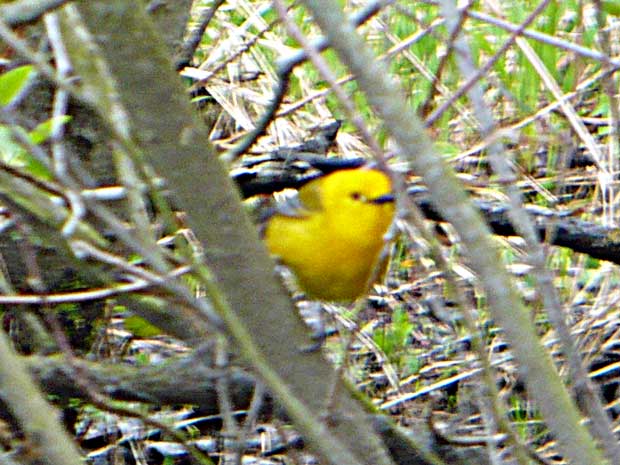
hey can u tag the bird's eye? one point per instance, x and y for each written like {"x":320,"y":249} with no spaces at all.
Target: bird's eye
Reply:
{"x":358,"y":196}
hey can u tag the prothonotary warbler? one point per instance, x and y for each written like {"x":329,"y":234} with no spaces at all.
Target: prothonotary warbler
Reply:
{"x":332,"y":243}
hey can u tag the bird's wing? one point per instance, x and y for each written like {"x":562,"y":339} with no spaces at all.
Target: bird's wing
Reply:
{"x":310,"y":196}
{"x":288,"y":204}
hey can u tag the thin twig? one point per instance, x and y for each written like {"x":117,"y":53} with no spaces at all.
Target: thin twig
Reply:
{"x":190,"y":45}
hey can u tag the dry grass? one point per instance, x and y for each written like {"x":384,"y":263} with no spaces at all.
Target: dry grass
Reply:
{"x":424,"y":362}
{"x":408,"y":348}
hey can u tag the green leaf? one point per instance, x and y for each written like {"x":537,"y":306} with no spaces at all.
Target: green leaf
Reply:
{"x":16,"y":156}
{"x":37,"y":169}
{"x":44,"y":130}
{"x":611,"y":7}
{"x":140,"y":327}
{"x":9,"y":149}
{"x":12,"y":82}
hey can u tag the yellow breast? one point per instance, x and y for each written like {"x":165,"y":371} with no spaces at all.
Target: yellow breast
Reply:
{"x":333,"y":245}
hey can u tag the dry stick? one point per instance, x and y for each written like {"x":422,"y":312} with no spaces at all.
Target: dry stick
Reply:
{"x":426,"y":105}
{"x":102,"y":402}
{"x":222,"y":387}
{"x":603,"y":174}
{"x":326,"y":73}
{"x":504,"y":301}
{"x":584,"y":388}
{"x":222,"y":305}
{"x":540,"y":37}
{"x":239,"y":332}
{"x":28,"y":11}
{"x":125,"y":166}
{"x":577,"y":124}
{"x":550,"y":107}
{"x":88,"y":295}
{"x":547,"y":39}
{"x":117,"y":122}
{"x":379,"y":157}
{"x":440,"y":67}
{"x":174,"y":286}
{"x":550,"y":40}
{"x":601,"y":424}
{"x":438,"y":87}
{"x":284,"y":76}
{"x":492,"y":398}
{"x":37,"y":282}
{"x":284,"y":72}
{"x":22,"y":49}
{"x":392,"y":51}
{"x":190,"y":45}
{"x":286,"y":68}
{"x":36,"y":417}
{"x":61,"y":102}
{"x":323,"y":68}
{"x":94,"y":395}
{"x":251,"y":418}
{"x":240,"y":51}
{"x":124,"y":162}
{"x":609,"y":86}
{"x":481,"y":72}
{"x":114,"y":124}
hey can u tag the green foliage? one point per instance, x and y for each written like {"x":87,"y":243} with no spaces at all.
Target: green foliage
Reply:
{"x":393,"y":340}
{"x":169,"y":460}
{"x":12,"y":82}
{"x":592,"y":263}
{"x":548,"y":24}
{"x":15,"y":155}
{"x":602,"y":107}
{"x":43,"y":131}
{"x":9,"y":149}
{"x":143,"y":359}
{"x":139,"y":327}
{"x":453,"y":402}
{"x":80,"y":322}
{"x":12,"y":152}
{"x":561,"y":261}
{"x":611,"y":7}
{"x":519,"y":417}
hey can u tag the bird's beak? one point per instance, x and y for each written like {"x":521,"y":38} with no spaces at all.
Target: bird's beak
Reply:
{"x":386,"y":198}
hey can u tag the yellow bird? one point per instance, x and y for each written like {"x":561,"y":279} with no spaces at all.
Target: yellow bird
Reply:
{"x":333,"y":241}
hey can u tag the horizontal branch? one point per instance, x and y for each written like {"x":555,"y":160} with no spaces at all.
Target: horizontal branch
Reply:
{"x":159,"y":385}
{"x":555,"y":228}
{"x":28,"y":11}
